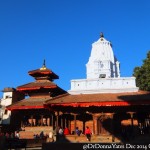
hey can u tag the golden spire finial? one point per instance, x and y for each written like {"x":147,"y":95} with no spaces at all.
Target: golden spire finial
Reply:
{"x":44,"y":66}
{"x":101,"y":35}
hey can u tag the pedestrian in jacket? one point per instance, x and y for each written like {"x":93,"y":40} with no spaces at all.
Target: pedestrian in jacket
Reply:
{"x":88,"y":133}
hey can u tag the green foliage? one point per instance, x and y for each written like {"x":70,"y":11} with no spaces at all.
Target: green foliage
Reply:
{"x":142,"y":74}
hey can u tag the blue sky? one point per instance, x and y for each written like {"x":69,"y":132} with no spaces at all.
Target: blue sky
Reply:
{"x":62,"y":32}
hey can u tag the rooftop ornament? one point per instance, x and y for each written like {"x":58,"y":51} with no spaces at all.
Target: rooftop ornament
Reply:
{"x":101,"y":36}
{"x":44,"y":66}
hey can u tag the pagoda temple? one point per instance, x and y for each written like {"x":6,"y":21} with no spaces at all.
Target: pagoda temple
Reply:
{"x":106,"y":102}
{"x":30,"y":111}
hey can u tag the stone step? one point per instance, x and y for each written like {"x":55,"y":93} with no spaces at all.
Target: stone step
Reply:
{"x":29,"y":132}
{"x":46,"y":128}
{"x":26,"y":135}
{"x":94,"y":138}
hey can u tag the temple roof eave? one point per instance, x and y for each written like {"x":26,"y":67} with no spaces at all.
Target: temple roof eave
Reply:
{"x":29,"y":103}
{"x":37,"y":85}
{"x":38,"y":72}
{"x":85,"y":100}
{"x":35,"y":88}
{"x":25,"y":107}
{"x":101,"y":104}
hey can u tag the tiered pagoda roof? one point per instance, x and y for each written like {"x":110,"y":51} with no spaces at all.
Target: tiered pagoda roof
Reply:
{"x":43,"y":80}
{"x":43,"y":73}
{"x":42,"y":89}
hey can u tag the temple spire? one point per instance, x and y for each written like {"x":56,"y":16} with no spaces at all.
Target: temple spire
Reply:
{"x":44,"y":65}
{"x":101,"y":35}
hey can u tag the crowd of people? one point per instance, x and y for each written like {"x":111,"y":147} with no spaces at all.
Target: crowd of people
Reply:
{"x":62,"y":132}
{"x":11,"y":135}
{"x":54,"y":135}
{"x":59,"y":133}
{"x":66,"y":131}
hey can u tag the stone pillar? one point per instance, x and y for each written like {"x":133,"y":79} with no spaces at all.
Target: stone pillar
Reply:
{"x":95,"y":120}
{"x":132,"y":124}
{"x":83,"y":126}
{"x":22,"y":125}
{"x":41,"y":120}
{"x":62,"y":122}
{"x":34,"y":121}
{"x":97,"y":123}
{"x":48,"y":121}
{"x":112,"y":126}
{"x":131,"y":116}
{"x":66,"y":123}
{"x":69,"y":125}
{"x":52,"y":120}
{"x":57,"y":117}
{"x":31,"y":120}
{"x":75,"y":117}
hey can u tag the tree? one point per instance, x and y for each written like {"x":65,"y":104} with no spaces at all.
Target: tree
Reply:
{"x":142,"y":74}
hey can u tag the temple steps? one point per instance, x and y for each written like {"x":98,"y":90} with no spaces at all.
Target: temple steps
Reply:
{"x":94,"y":139}
{"x":28,"y":132}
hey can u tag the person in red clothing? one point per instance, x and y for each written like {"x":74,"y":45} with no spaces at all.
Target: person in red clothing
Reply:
{"x":66,"y":131}
{"x":88,"y":133}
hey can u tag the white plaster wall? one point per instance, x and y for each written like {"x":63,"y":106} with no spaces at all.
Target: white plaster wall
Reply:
{"x":102,"y":50}
{"x":110,"y":85}
{"x":6,"y":101}
{"x":99,"y":67}
{"x":102,"y":60}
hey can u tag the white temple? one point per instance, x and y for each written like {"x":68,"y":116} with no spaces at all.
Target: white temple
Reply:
{"x":103,"y":73}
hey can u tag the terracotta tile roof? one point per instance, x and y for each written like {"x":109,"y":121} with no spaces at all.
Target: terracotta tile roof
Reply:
{"x":8,"y":89}
{"x":45,"y":71}
{"x":85,"y":100}
{"x":38,"y":84}
{"x":29,"y":103}
{"x":102,"y":97}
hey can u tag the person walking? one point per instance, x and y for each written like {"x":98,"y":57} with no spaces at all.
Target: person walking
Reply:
{"x":88,"y":133}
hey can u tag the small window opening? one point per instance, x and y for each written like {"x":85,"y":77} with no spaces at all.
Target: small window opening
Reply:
{"x":102,"y":76}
